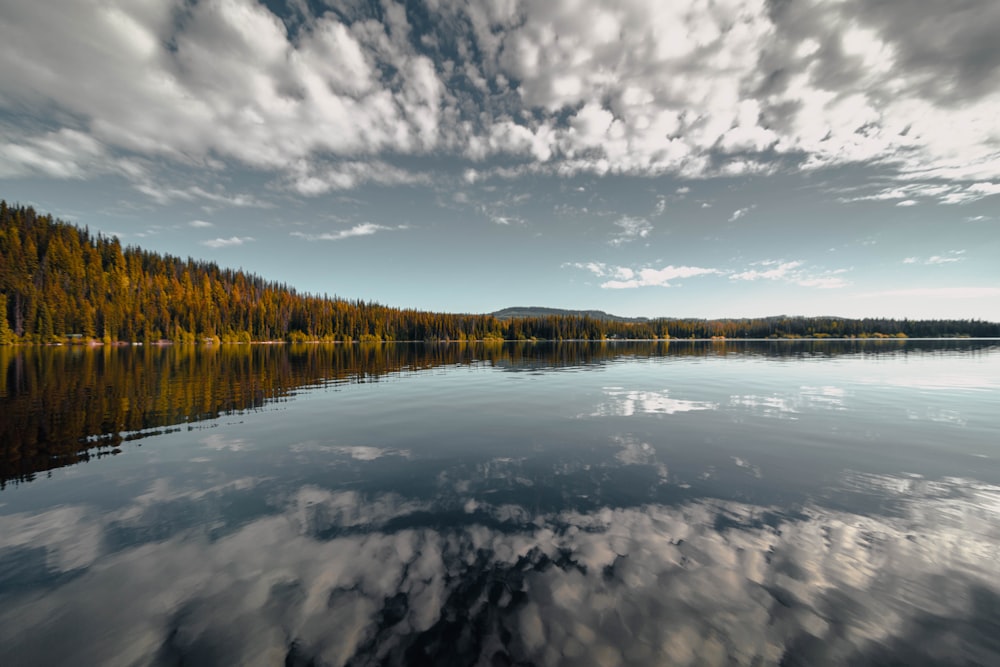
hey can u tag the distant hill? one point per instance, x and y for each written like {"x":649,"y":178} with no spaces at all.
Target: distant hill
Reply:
{"x":535,"y":311}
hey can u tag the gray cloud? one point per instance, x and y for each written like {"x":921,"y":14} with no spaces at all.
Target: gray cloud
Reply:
{"x":336,"y":100}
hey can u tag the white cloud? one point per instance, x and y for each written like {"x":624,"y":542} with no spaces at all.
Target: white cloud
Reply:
{"x":939,"y":259}
{"x":944,"y":193}
{"x":631,"y":229}
{"x":779,"y":272}
{"x":626,"y":278}
{"x":200,"y":224}
{"x":311,"y":179}
{"x":168,"y":194}
{"x":972,"y":192}
{"x":506,"y":220}
{"x":739,"y":213}
{"x":822,"y":282}
{"x":65,"y":153}
{"x":563,"y":87}
{"x":793,"y":273}
{"x":951,"y":257}
{"x":231,"y":241}
{"x":362,"y":229}
{"x":623,"y":277}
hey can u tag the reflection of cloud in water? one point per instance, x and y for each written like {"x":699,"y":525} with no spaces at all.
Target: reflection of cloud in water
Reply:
{"x":936,"y":381}
{"x":826,"y":396}
{"x":69,"y":539}
{"x":768,"y":406}
{"x":704,"y":583}
{"x":222,"y":443}
{"x":356,"y":452}
{"x":743,"y":463}
{"x":318,"y":510}
{"x":633,"y":452}
{"x":936,"y":415}
{"x":625,"y":403}
{"x":788,"y":405}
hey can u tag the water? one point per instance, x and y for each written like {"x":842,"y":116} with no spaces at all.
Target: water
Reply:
{"x":797,"y":503}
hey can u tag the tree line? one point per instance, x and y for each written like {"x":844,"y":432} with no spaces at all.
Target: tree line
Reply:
{"x":60,"y":283}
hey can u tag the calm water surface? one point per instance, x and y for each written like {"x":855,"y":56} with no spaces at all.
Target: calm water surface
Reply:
{"x":794,"y":503}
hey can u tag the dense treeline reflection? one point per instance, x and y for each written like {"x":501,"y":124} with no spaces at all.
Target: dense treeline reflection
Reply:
{"x":65,"y":405}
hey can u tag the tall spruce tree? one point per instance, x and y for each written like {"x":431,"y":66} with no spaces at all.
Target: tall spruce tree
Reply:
{"x":6,"y":333}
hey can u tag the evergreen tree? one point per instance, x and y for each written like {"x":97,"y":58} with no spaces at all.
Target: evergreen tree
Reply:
{"x":6,"y":333}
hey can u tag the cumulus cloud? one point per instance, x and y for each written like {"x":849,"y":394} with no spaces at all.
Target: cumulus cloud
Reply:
{"x":311,"y":179}
{"x":792,"y":272}
{"x":335,"y":100}
{"x":822,"y":282}
{"x":780,"y":271}
{"x":623,"y":277}
{"x":362,"y":229}
{"x":65,"y":153}
{"x":907,"y":194}
{"x":506,"y":220}
{"x":972,"y":192}
{"x":200,"y":224}
{"x":631,"y":229}
{"x":626,"y":278}
{"x":739,"y":213}
{"x":231,"y":241}
{"x":167,"y":194}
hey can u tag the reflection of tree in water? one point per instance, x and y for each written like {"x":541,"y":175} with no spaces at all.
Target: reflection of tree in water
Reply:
{"x":60,"y":406}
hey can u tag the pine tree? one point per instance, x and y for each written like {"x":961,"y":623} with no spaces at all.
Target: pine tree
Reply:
{"x":6,"y":334}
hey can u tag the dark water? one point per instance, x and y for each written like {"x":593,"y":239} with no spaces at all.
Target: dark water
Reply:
{"x":794,"y":503}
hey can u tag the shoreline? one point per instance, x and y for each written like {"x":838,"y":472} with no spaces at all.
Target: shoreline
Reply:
{"x":720,"y":340}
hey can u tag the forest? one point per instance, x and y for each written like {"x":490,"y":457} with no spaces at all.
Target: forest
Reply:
{"x":61,"y":284}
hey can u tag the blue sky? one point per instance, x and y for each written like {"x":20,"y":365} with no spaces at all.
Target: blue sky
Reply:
{"x":685,"y":158}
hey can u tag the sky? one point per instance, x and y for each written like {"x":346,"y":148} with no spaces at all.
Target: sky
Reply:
{"x":690,"y":158}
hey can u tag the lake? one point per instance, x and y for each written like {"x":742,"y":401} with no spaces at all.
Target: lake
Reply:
{"x":683,"y":503}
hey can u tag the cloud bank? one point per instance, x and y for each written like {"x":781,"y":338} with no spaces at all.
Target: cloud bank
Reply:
{"x":334,"y":98}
